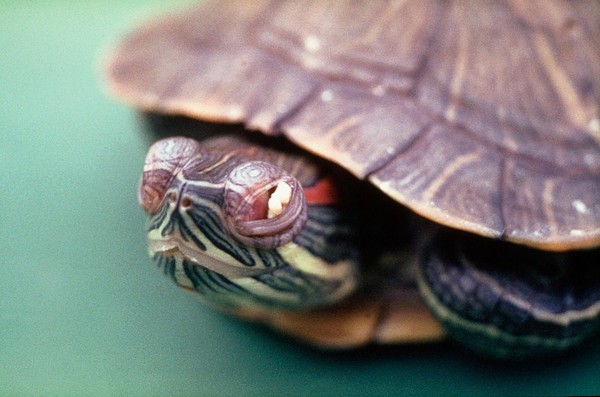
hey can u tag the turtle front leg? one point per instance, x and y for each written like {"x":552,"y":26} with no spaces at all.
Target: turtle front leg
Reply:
{"x":511,"y":301}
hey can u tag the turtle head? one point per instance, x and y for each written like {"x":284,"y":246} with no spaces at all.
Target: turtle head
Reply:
{"x":258,"y":203}
{"x":223,"y":219}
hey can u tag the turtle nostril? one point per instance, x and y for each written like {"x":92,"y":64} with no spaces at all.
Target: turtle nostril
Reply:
{"x":172,"y":197}
{"x":186,"y":202}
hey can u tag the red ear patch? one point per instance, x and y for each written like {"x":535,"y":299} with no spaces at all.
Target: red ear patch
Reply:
{"x":323,"y":192}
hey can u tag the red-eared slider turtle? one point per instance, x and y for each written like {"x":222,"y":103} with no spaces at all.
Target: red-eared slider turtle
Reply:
{"x":480,"y":123}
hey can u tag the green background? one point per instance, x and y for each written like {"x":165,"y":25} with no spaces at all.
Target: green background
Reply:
{"x":83,"y":311}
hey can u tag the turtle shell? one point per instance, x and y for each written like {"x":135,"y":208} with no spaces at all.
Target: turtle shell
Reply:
{"x":484,"y":118}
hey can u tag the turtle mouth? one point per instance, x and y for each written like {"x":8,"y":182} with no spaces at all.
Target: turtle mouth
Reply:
{"x":177,"y":248}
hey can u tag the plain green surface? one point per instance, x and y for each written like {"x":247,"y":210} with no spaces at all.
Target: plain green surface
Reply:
{"x":83,"y":311}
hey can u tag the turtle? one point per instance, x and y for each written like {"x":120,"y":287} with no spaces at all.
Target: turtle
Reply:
{"x":359,"y":173}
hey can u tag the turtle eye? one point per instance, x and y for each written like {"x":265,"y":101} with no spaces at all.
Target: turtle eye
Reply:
{"x":165,"y":158}
{"x":263,"y":206}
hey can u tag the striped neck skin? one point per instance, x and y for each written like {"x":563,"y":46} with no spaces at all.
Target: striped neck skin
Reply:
{"x":230,"y":221}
